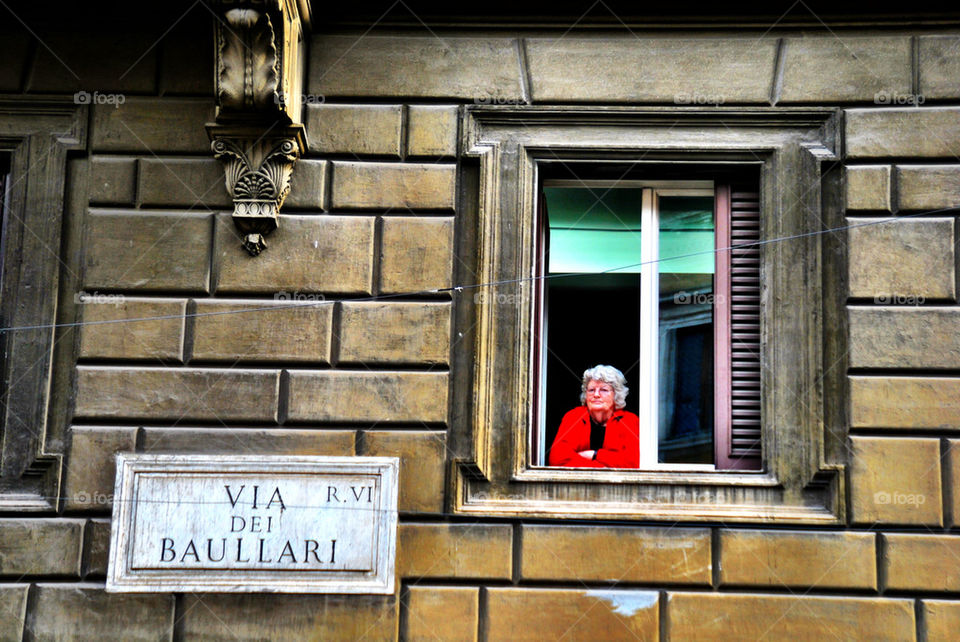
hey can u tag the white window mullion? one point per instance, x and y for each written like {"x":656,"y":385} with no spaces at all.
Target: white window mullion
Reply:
{"x":649,"y":331}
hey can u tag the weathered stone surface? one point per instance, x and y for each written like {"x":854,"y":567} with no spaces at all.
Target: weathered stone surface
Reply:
{"x":687,"y":71}
{"x":873,"y":69}
{"x":249,"y":441}
{"x":96,"y":548}
{"x":229,"y":617}
{"x":183,"y":182}
{"x":90,"y":470}
{"x":463,"y":551}
{"x":37,"y":547}
{"x":109,"y":62}
{"x":555,"y":614}
{"x":905,"y":402}
{"x":13,"y":611}
{"x":712,"y":616}
{"x":867,"y":187}
{"x":895,"y":480}
{"x":939,"y":67}
{"x":442,"y":613}
{"x":432,"y":130}
{"x":147,"y":252}
{"x":779,"y":559}
{"x":942,"y":618}
{"x":331,"y":254}
{"x":359,"y":130}
{"x":904,"y":337}
{"x":481,"y":69}
{"x":87,"y":612}
{"x":417,"y":254}
{"x":952,"y":462}
{"x":373,"y":332}
{"x":925,"y":131}
{"x":393,"y":186}
{"x":113,"y":180}
{"x":900,"y":259}
{"x":922,"y":562}
{"x":648,"y":555}
{"x":422,"y":461}
{"x":925,"y":187}
{"x":308,"y":186}
{"x":330,"y":395}
{"x":153,"y":126}
{"x":177,"y":394}
{"x":286,"y":330}
{"x":159,"y":339}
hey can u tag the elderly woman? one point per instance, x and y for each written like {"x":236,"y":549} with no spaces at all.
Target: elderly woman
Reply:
{"x":600,"y":433}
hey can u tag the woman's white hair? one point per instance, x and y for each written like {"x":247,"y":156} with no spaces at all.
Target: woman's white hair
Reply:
{"x":606,"y":374}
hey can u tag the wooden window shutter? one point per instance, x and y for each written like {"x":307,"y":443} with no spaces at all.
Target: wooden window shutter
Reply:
{"x":737,"y":328}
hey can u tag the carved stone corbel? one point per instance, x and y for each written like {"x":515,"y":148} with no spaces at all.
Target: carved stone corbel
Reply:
{"x":258,"y":135}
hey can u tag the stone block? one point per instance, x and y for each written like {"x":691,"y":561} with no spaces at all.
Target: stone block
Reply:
{"x":570,"y":614}
{"x":922,"y":132}
{"x":712,"y":616}
{"x":800,"y":559}
{"x":394,"y":187}
{"x":422,"y":463}
{"x":901,"y":259}
{"x":252,"y":330}
{"x":177,"y":394}
{"x":113,"y":180}
{"x":367,"y":396}
{"x":183,"y":182}
{"x":942,"y":619}
{"x":248,"y":441}
{"x":13,"y":611}
{"x":150,"y":126}
{"x":91,"y":465}
{"x":939,"y":67}
{"x":416,"y":255}
{"x":647,"y":555}
{"x":895,"y":480}
{"x":921,"y":562}
{"x":116,"y":331}
{"x":330,"y":254}
{"x":96,"y":548}
{"x":147,"y":252}
{"x":373,"y":332}
{"x":108,"y":61}
{"x":926,"y":187}
{"x":448,"y":613}
{"x":38,"y":547}
{"x":683,"y":71}
{"x":862,"y":69}
{"x":867,"y":187}
{"x":476,"y":69}
{"x":952,"y":462}
{"x":357,"y":130}
{"x":904,"y":337}
{"x":455,"y":551}
{"x":432,"y":130}
{"x":308,"y":186}
{"x":920,"y":403}
{"x":347,"y":618}
{"x":88,"y":612}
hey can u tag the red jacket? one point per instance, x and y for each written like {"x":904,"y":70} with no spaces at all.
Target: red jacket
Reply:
{"x":621,"y":441}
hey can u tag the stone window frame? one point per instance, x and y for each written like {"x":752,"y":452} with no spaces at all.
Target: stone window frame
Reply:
{"x":796,"y":148}
{"x":36,"y":134}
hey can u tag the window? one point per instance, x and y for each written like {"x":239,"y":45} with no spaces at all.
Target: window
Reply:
{"x":647,"y":304}
{"x":773,"y":169}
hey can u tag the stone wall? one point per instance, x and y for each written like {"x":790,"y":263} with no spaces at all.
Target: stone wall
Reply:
{"x":374,"y":214}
